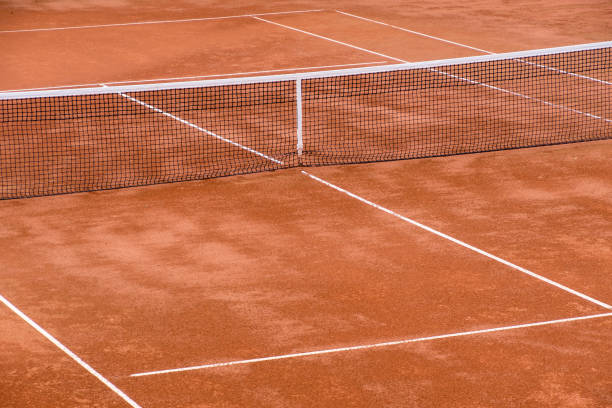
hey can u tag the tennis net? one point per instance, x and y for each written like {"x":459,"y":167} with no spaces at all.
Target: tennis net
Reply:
{"x":75,"y":140}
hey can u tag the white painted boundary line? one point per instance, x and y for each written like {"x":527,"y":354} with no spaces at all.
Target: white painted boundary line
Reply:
{"x":201,"y":129}
{"x":330,"y":39}
{"x":371,"y":346}
{"x":186,"y":20}
{"x":137,"y":81}
{"x":469,"y":46}
{"x":414,"y":32}
{"x":67,"y":351}
{"x":461,"y":243}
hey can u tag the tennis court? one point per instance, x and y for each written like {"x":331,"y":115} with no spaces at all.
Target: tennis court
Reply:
{"x":417,"y":211}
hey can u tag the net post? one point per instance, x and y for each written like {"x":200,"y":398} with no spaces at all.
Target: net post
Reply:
{"x":298,"y":103}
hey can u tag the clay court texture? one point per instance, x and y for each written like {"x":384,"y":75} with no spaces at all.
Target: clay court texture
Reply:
{"x":471,"y":275}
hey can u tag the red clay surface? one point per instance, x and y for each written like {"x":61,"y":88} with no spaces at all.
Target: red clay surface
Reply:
{"x":496,"y":25}
{"x":288,"y":274}
{"x":388,"y":41}
{"x":252,"y":266}
{"x":146,"y":293}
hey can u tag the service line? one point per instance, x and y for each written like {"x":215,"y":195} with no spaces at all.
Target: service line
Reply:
{"x":369,"y":346}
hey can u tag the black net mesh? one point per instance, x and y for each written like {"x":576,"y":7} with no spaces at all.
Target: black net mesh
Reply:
{"x":63,"y":144}
{"x":458,"y":109}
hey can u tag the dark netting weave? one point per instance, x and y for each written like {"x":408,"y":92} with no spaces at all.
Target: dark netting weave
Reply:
{"x":72,"y":143}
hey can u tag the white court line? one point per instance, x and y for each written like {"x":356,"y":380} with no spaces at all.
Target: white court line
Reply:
{"x":439,"y":71}
{"x":470,"y":47}
{"x":370,"y":346}
{"x":67,"y":351}
{"x":201,"y":129}
{"x":200,"y":76}
{"x":415,"y":32}
{"x":496,"y":88}
{"x":329,"y":39}
{"x":156,"y":22}
{"x":461,"y":243}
